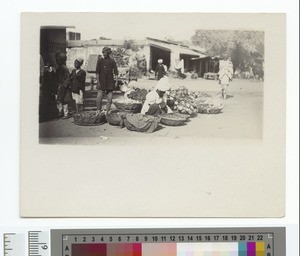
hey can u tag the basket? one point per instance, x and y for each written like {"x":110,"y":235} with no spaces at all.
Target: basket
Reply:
{"x":115,"y":117}
{"x":185,"y":116}
{"x":129,"y":107}
{"x":209,"y":109}
{"x":172,"y":120}
{"x":90,"y":118}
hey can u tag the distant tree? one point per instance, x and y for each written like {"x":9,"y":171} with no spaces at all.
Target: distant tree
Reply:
{"x":244,"y":47}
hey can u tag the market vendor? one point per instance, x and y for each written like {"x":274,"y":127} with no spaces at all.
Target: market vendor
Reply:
{"x":106,"y":70}
{"x":155,"y":103}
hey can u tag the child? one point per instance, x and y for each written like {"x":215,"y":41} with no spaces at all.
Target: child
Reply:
{"x":63,"y":94}
{"x":78,"y":76}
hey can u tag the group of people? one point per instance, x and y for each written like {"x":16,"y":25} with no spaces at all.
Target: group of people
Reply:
{"x":71,"y":85}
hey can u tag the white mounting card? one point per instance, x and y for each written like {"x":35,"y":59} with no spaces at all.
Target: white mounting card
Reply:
{"x":230,"y":164}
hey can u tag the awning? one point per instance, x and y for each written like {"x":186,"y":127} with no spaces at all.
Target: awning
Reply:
{"x":177,"y":48}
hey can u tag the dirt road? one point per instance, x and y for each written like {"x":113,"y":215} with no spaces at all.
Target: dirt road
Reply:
{"x":241,"y":118}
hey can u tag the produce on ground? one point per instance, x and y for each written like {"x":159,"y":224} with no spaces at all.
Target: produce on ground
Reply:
{"x":138,"y":94}
{"x":90,"y":118}
{"x":190,"y":102}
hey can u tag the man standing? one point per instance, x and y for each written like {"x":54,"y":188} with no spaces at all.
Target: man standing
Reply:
{"x":160,"y":70}
{"x":63,"y":88}
{"x":105,"y":71}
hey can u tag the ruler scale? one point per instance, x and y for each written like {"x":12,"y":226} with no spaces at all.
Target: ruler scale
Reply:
{"x":13,"y":244}
{"x":269,"y":241}
{"x":38,"y":243}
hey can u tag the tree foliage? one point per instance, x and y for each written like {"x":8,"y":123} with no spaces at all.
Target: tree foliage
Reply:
{"x":244,"y":47}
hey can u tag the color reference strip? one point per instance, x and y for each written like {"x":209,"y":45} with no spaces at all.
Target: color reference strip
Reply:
{"x":170,"y":249}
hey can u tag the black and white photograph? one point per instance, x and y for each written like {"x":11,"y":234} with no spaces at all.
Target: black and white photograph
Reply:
{"x":149,"y":75}
{"x":152,"y":115}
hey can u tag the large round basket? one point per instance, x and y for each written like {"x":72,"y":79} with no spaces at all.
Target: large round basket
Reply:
{"x":208,"y":109}
{"x":172,"y":120}
{"x":90,"y":118}
{"x":116,"y":118}
{"x":185,"y":116}
{"x":129,"y":107}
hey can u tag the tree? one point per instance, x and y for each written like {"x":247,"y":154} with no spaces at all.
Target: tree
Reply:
{"x":244,"y":47}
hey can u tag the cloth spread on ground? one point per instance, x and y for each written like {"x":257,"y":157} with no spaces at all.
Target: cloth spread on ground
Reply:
{"x":141,"y":123}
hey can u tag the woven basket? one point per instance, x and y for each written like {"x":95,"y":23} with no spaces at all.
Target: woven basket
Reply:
{"x":116,"y":117}
{"x":90,"y":118}
{"x":129,"y":107}
{"x":208,"y":109}
{"x":185,"y":116}
{"x":172,"y":120}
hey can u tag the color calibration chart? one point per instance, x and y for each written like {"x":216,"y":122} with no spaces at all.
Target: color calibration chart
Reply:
{"x":169,"y":242}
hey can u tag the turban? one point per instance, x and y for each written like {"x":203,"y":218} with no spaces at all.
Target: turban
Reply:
{"x":163,"y":85}
{"x":106,"y":49}
{"x":160,"y":61}
{"x":79,"y":60}
{"x":61,"y":56}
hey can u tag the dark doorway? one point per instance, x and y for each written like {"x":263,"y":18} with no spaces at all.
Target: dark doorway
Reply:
{"x":157,"y":53}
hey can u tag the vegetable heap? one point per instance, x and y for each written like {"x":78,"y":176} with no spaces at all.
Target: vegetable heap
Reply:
{"x":188,"y":102}
{"x":138,"y":94}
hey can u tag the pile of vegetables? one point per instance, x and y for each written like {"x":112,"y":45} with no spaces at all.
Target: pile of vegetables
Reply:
{"x":138,"y":94}
{"x":189,"y":102}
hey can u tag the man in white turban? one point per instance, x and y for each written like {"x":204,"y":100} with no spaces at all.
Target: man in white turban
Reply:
{"x":160,"y":70}
{"x":155,"y":103}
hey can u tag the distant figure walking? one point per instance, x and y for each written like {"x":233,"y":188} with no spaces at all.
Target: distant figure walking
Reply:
{"x":225,"y":75}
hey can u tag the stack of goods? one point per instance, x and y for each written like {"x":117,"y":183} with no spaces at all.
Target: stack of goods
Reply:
{"x":181,"y":100}
{"x":90,"y":118}
{"x":129,"y":105}
{"x":173,"y":119}
{"x":137,"y":94}
{"x":190,"y":102}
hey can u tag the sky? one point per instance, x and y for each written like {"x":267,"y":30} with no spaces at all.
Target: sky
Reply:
{"x":137,"y":26}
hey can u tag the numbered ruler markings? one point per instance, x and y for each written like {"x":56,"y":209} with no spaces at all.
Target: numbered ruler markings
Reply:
{"x":167,"y":238}
{"x":38,"y":243}
{"x":13,"y":244}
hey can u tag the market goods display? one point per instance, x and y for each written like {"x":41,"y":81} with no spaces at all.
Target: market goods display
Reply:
{"x":90,"y":118}
{"x":129,"y":105}
{"x":191,"y":102}
{"x":172,"y":120}
{"x":210,"y":106}
{"x":138,"y":94}
{"x":116,"y":118}
{"x":182,"y":100}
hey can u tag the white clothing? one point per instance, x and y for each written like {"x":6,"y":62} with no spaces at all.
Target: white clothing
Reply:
{"x":78,"y":97}
{"x":63,"y":108}
{"x":152,"y":98}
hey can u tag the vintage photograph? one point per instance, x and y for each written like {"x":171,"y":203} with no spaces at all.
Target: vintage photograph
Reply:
{"x":152,"y":115}
{"x":137,"y":79}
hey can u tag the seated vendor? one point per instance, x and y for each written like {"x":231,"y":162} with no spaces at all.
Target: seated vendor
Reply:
{"x":155,"y":103}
